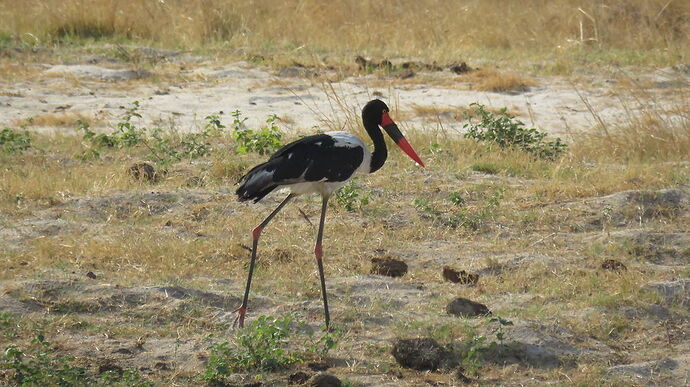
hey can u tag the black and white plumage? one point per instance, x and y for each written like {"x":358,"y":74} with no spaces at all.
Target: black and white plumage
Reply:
{"x":321,"y":164}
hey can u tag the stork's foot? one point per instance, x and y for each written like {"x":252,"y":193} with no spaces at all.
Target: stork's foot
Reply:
{"x":239,"y":320}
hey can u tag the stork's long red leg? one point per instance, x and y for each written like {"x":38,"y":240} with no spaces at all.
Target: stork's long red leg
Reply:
{"x":318,"y":252}
{"x":256,"y":233}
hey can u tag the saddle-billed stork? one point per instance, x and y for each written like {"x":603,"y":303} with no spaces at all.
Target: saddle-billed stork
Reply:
{"x":322,"y":164}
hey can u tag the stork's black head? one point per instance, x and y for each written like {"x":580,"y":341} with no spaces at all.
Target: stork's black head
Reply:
{"x":375,"y":114}
{"x":373,"y":111}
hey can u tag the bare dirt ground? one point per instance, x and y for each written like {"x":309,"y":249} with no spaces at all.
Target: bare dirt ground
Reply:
{"x":188,"y":88}
{"x":539,"y":264}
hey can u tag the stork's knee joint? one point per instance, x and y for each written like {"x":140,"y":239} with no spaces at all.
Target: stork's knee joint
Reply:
{"x":256,"y":233}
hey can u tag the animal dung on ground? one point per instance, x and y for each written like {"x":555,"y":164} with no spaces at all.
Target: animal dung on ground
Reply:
{"x":143,"y":172}
{"x":462,"y":277}
{"x":613,"y":265}
{"x":459,"y":375}
{"x":318,"y":366}
{"x":365,"y":64}
{"x":324,"y":379}
{"x":388,"y":266}
{"x":299,"y":377}
{"x":460,"y":68}
{"x":419,"y":354}
{"x":463,"y":307}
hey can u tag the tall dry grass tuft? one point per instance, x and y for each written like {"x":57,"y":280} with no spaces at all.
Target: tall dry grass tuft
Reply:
{"x":431,"y":28}
{"x":650,"y":130}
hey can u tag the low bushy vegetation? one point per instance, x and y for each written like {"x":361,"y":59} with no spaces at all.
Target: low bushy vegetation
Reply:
{"x":166,"y":147}
{"x":504,"y":130}
{"x":352,"y":196}
{"x":263,"y":141}
{"x":264,"y":346}
{"x":41,"y":365}
{"x":13,"y":141}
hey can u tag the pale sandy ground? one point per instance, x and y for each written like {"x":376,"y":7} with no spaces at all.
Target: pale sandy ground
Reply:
{"x":554,"y":104}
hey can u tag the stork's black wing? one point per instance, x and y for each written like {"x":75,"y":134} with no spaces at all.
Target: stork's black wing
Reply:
{"x":313,"y":158}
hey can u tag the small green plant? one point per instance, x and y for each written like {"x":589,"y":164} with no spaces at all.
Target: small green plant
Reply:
{"x":42,"y":366}
{"x":164,"y":147}
{"x":473,"y":220}
{"x":12,"y":141}
{"x":456,"y":198}
{"x":263,"y":141}
{"x":320,"y":345}
{"x":428,"y":210}
{"x":352,"y":196}
{"x":213,"y":125}
{"x":477,"y":345}
{"x":260,"y":346}
{"x":264,"y":346}
{"x":8,"y":325}
{"x":126,"y":134}
{"x":503,"y":129}
{"x":468,"y":218}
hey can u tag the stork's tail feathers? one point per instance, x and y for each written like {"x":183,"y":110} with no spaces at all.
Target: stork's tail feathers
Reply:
{"x":256,"y":184}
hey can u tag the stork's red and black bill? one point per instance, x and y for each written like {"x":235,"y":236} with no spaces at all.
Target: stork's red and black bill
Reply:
{"x":392,"y":129}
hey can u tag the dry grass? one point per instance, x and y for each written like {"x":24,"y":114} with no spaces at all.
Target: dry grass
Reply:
{"x":408,"y":28}
{"x":55,"y":120}
{"x":499,"y":81}
{"x":650,"y":130}
{"x":454,"y":112}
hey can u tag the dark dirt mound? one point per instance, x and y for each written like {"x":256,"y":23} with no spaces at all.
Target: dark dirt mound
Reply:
{"x":613,"y":265}
{"x":143,"y":172}
{"x":324,"y":379}
{"x":463,"y":307}
{"x":299,"y":377}
{"x":388,"y":266}
{"x":419,"y":354}
{"x":462,"y":277}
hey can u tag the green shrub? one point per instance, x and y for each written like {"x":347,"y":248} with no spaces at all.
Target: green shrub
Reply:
{"x":41,"y":366}
{"x":352,"y":196}
{"x":264,"y":345}
{"x":476,"y":345}
{"x":260,"y":346}
{"x":263,"y":141}
{"x":12,"y":141}
{"x":164,"y":147}
{"x":503,"y":129}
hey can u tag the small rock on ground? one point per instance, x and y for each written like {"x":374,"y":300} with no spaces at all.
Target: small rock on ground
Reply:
{"x":419,"y":354}
{"x":466,"y":308}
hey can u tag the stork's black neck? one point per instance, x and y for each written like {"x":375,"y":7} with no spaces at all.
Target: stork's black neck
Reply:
{"x":380,"y":154}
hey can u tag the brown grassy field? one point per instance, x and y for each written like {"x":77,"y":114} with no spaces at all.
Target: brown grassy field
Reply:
{"x":559,"y":33}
